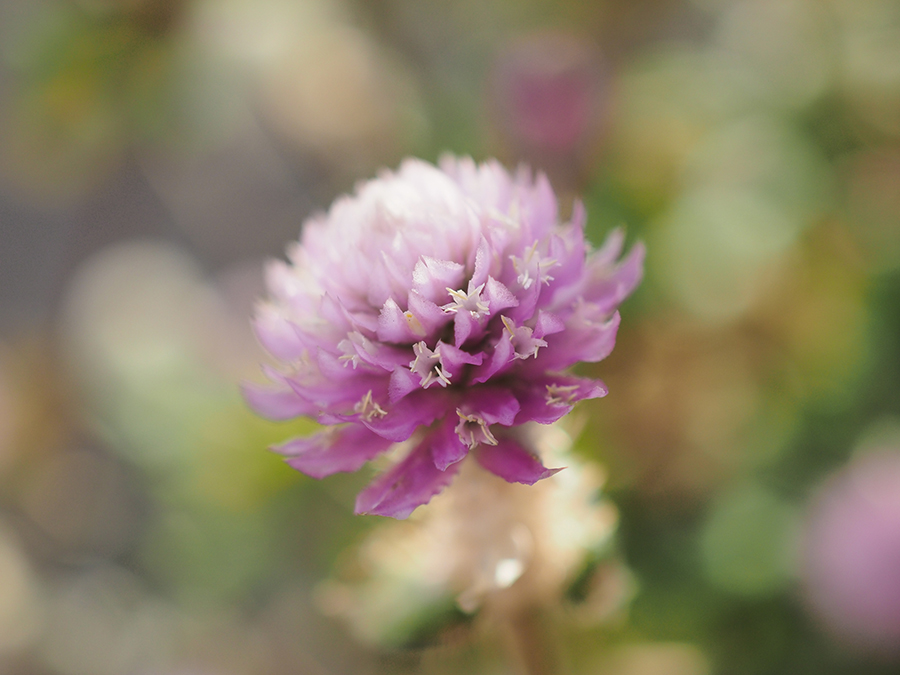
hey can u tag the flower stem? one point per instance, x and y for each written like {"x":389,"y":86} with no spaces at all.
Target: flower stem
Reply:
{"x":531,"y":645}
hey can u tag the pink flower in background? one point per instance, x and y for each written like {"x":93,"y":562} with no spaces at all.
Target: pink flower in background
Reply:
{"x":439,"y":306}
{"x":851,"y":563}
{"x":550,"y":92}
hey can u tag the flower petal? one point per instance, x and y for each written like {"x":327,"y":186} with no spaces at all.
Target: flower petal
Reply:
{"x":411,"y":412}
{"x":495,"y":405}
{"x":432,"y":277}
{"x":447,"y":448}
{"x":397,"y":326}
{"x":502,"y":355}
{"x":277,"y":334}
{"x":499,"y":297}
{"x":276,"y":403}
{"x":545,"y":400}
{"x":606,"y":288}
{"x":406,"y":486}
{"x":332,"y":450}
{"x":429,"y":315}
{"x":512,"y":462}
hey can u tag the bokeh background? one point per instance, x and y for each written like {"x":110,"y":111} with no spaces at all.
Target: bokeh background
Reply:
{"x":153,"y":153}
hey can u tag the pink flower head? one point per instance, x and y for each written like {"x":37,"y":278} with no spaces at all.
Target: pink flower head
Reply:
{"x":851,"y":553}
{"x":439,"y":306}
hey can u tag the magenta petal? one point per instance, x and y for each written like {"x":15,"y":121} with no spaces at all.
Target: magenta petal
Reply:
{"x":464,"y":324}
{"x":395,"y":326}
{"x":453,"y":359}
{"x":483,"y":259}
{"x":512,"y":462}
{"x":403,"y":382}
{"x":606,"y":290}
{"x":429,"y":315}
{"x":502,"y":356}
{"x":583,"y":340}
{"x":401,"y":489}
{"x":276,"y":404}
{"x":528,"y":301}
{"x":607,"y":254}
{"x":495,"y":405}
{"x":599,"y":340}
{"x":408,"y":414}
{"x":548,"y":399}
{"x":377,"y":354}
{"x":446,"y":447}
{"x":534,"y":408}
{"x":333,"y":450}
{"x":432,"y":277}
{"x":548,"y":324}
{"x":276,"y":334}
{"x":498,"y":296}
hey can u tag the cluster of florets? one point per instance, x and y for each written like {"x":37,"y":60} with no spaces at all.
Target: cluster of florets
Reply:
{"x":439,"y":307}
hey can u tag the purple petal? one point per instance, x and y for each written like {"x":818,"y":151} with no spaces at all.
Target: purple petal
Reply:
{"x":495,"y":405}
{"x":464,"y":324}
{"x":432,"y":277}
{"x":394,"y":325}
{"x":409,"y":413}
{"x":429,"y":315}
{"x":606,"y":288}
{"x":377,"y":354}
{"x":276,"y":403}
{"x":498,"y":296}
{"x":597,"y":339}
{"x":447,"y":448}
{"x":332,"y":450}
{"x":483,"y":258}
{"x":276,"y":334}
{"x":567,"y":248}
{"x":611,"y":249}
{"x":453,"y":359}
{"x":335,"y":369}
{"x":327,"y":392}
{"x":334,"y":315}
{"x":401,"y":489}
{"x":403,"y":382}
{"x":583,"y":340}
{"x":542,"y":214}
{"x":528,"y":301}
{"x":548,"y":324}
{"x":512,"y":462}
{"x":503,"y":354}
{"x":545,"y":400}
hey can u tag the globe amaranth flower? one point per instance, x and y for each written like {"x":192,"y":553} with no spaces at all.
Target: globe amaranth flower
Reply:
{"x":439,"y":307}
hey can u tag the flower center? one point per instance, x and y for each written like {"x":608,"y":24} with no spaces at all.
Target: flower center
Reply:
{"x":368,"y":409}
{"x":468,"y":302}
{"x":427,"y":365}
{"x":473,"y":430}
{"x":522,"y":338}
{"x":561,"y":394}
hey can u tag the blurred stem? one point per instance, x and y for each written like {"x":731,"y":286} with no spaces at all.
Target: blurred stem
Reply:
{"x":531,"y":644}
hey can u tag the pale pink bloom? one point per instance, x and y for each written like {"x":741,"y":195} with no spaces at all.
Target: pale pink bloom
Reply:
{"x":442,"y":306}
{"x":851,"y":563}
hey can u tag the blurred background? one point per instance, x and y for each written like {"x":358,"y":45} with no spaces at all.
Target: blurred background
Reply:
{"x":153,"y":153}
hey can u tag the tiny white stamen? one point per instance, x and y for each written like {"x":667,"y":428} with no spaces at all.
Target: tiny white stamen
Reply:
{"x":532,"y":268}
{"x":470,"y":302}
{"x":427,"y":365}
{"x":350,"y":354}
{"x":561,"y":394}
{"x":473,"y":430}
{"x":521,"y":337}
{"x":369,"y":409}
